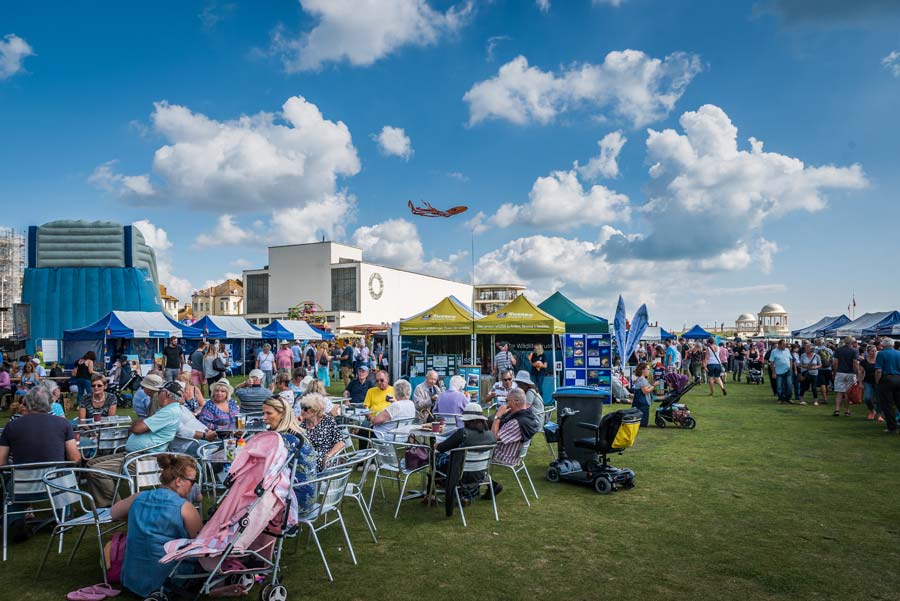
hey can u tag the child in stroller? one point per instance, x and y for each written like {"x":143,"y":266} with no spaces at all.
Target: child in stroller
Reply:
{"x":670,"y":410}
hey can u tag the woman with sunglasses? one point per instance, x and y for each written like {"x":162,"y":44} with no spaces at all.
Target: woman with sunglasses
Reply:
{"x":156,"y":517}
{"x":321,"y":429}
{"x":279,"y":417}
{"x":99,"y":402}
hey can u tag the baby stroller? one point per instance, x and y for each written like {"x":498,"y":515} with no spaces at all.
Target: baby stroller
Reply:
{"x":754,"y":372}
{"x":123,"y":392}
{"x":615,"y":433}
{"x":670,"y":410}
{"x":241,"y":543}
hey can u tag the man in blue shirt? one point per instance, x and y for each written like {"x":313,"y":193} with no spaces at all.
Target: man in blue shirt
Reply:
{"x":297,"y":351}
{"x":149,"y":386}
{"x":672,"y":359}
{"x":356,"y":390}
{"x":887,"y":379}
{"x":782,"y":363}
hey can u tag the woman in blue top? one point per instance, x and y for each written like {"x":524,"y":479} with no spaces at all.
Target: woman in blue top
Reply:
{"x":279,"y":416}
{"x":220,"y":411}
{"x":156,"y":517}
{"x":643,"y":393}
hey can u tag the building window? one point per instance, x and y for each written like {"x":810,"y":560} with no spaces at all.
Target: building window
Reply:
{"x":343,"y":289}
{"x":223,"y":305}
{"x":257,"y":293}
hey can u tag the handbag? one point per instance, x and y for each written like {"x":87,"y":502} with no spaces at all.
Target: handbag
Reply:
{"x":854,"y":394}
{"x":415,"y":457}
{"x":218,"y":364}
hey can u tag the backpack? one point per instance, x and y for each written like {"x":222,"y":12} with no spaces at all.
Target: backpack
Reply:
{"x":825,"y":356}
{"x":114,"y":555}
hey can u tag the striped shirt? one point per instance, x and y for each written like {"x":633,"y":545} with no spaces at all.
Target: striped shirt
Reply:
{"x":509,"y":443}
{"x":503,"y":361}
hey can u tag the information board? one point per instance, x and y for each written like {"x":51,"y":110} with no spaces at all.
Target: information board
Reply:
{"x":587,"y":360}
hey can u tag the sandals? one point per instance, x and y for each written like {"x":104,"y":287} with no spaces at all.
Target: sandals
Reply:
{"x":98,"y":592}
{"x":846,"y":413}
{"x":836,"y":414}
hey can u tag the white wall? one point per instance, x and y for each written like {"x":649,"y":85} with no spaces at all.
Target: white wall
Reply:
{"x":303,"y":272}
{"x":404,"y":295}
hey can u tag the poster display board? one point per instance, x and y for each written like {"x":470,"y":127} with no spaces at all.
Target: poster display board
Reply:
{"x":587,"y":361}
{"x":472,"y":374}
{"x":444,"y":365}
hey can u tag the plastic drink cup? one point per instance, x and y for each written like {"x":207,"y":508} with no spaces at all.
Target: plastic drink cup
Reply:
{"x":436,"y":427}
{"x":98,"y":417}
{"x":240,"y":422}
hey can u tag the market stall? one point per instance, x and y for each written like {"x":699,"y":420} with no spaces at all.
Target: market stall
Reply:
{"x":119,"y":333}
{"x":888,"y":326}
{"x":293,"y":329}
{"x":656,"y":334}
{"x":586,"y":344}
{"x":869,"y":321}
{"x":818,"y":329}
{"x":697,"y":333}
{"x":451,"y":322}
{"x":228,"y":329}
{"x":521,"y":316}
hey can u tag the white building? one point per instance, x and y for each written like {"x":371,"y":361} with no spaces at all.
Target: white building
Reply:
{"x":745,"y":324}
{"x":12,"y":267}
{"x":349,"y":290}
{"x":773,"y":321}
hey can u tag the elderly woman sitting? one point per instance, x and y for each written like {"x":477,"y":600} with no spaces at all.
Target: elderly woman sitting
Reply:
{"x":321,"y":429}
{"x":56,"y":407}
{"x":220,"y":411}
{"x":453,"y":401}
{"x":278,"y":415}
{"x":399,"y":407}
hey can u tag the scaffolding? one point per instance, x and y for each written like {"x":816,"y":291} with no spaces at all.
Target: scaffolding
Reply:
{"x":12,"y":268}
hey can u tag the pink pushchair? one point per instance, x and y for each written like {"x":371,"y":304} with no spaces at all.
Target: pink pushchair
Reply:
{"x":241,"y":543}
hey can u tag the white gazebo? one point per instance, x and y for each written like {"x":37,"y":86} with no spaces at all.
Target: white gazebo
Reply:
{"x":772,"y":321}
{"x":745,"y":324}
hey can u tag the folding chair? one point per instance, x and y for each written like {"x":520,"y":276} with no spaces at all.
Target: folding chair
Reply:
{"x":330,"y":489}
{"x":391,"y":465}
{"x":144,"y":472}
{"x":518,"y":468}
{"x":475,"y":459}
{"x":65,"y":497}
{"x":24,"y":484}
{"x":356,"y":490}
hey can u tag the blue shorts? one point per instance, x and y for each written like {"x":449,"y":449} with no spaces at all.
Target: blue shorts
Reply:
{"x":715,"y":371}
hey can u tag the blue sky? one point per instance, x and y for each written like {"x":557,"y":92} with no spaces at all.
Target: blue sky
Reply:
{"x":223,"y":126}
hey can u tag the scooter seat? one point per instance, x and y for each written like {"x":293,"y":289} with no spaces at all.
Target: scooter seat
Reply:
{"x":589,"y":443}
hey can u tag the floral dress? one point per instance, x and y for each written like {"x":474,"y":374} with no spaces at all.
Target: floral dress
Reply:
{"x":302,"y":449}
{"x":323,"y":438}
{"x":215,"y":419}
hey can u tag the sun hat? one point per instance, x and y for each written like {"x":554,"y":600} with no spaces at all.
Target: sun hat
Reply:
{"x":36,"y":361}
{"x":523,"y":377}
{"x":257,"y":373}
{"x":152,"y":382}
{"x":186,"y":368}
{"x":473,"y":411}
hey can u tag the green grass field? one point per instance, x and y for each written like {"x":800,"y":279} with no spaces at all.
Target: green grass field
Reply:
{"x":760,"y":501}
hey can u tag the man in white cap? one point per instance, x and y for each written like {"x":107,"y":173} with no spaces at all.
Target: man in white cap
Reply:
{"x":39,"y":370}
{"x":251,"y":393}
{"x":142,"y":398}
{"x":358,"y":387}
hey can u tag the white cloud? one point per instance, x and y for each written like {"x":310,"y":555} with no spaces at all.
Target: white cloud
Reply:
{"x":363,"y":32}
{"x":613,"y":3}
{"x":605,"y":165}
{"x":13,"y":51}
{"x":458,"y":176}
{"x":701,"y":177}
{"x":492,"y":45}
{"x":543,"y":5}
{"x":157,"y":239}
{"x":633,"y":86}
{"x":396,"y":243}
{"x":226,"y":231}
{"x":242,"y":263}
{"x":559,"y":202}
{"x":892,"y":63}
{"x":105,"y":177}
{"x":288,"y":164}
{"x":393,"y":141}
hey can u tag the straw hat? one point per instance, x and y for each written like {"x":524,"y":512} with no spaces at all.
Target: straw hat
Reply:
{"x":223,"y":383}
{"x":523,"y":377}
{"x":152,"y":382}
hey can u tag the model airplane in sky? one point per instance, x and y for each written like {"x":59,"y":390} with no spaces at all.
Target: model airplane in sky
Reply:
{"x":426,"y":210}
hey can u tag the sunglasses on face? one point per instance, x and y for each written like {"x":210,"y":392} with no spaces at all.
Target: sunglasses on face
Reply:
{"x":96,"y":385}
{"x":381,"y":381}
{"x":305,"y":407}
{"x":193,"y":481}
{"x":506,"y":379}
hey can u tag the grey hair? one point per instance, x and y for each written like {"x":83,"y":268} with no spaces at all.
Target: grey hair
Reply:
{"x":817,"y":342}
{"x":402,"y":390}
{"x":517,"y":394}
{"x":457,"y":383}
{"x":316,"y":402}
{"x":49,"y":386}
{"x":507,"y":372}
{"x":38,"y":400}
{"x":431,"y":371}
{"x":887,"y":342}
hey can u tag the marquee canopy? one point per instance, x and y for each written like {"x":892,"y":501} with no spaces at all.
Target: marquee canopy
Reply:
{"x":697,"y":333}
{"x":227,"y":326}
{"x":294,"y":329}
{"x":520,"y":316}
{"x":817,"y":329}
{"x":450,"y":317}
{"x":888,"y":326}
{"x":856,"y":327}
{"x":576,"y":319}
{"x":133,"y":324}
{"x":657,"y":334}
